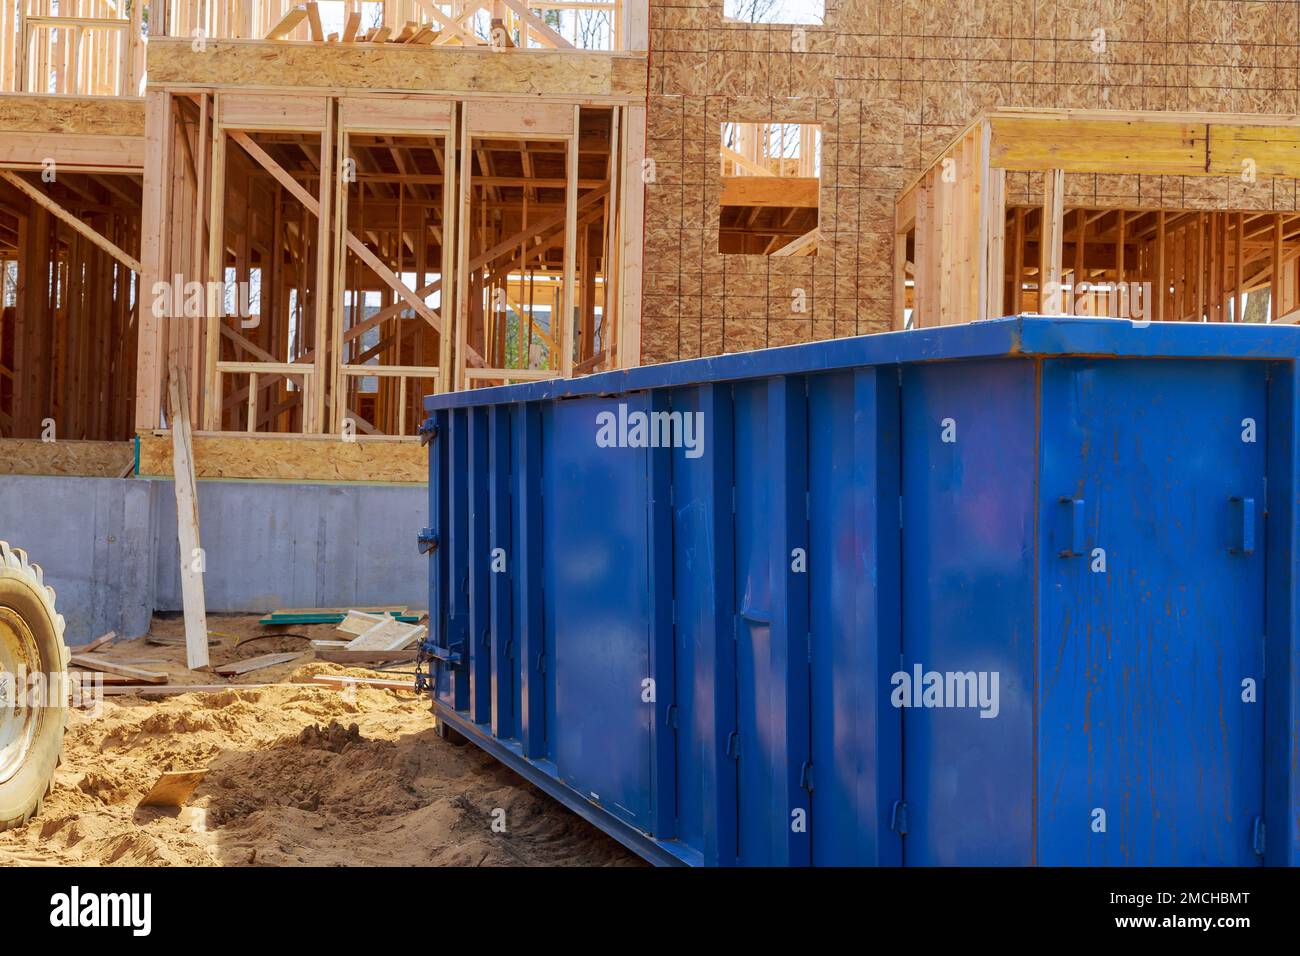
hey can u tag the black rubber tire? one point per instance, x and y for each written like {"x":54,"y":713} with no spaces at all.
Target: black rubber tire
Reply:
{"x":24,"y":596}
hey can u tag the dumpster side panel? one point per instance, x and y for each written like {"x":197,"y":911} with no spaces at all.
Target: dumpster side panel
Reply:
{"x":705,"y":659}
{"x":594,"y":557}
{"x":1282,"y":644}
{"x":1153,"y":612}
{"x":853,"y":461}
{"x":503,"y":541}
{"x":758,"y":792}
{"x":967,"y":678}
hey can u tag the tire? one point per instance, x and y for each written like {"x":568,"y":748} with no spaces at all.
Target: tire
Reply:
{"x":31,"y":640}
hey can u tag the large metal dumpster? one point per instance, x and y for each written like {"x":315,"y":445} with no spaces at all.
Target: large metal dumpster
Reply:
{"x":1015,"y":592}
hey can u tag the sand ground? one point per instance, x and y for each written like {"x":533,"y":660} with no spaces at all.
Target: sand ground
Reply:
{"x":298,"y":774}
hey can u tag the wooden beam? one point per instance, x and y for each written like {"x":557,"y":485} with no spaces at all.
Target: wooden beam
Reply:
{"x":1049,"y":274}
{"x":781,"y":191}
{"x":187,"y":522}
{"x":314,"y":23}
{"x":537,"y":27}
{"x":288,"y":23}
{"x":568,"y":309}
{"x":805,"y":245}
{"x":38,"y":197}
{"x":353,"y":243}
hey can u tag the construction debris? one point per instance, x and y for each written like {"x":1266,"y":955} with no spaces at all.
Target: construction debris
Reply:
{"x":96,"y":662}
{"x":343,"y":681}
{"x":104,"y":640}
{"x":358,"y":622}
{"x":255,"y":663}
{"x":329,"y":616}
{"x":388,"y":636}
{"x":345,"y":656}
{"x":173,"y":788}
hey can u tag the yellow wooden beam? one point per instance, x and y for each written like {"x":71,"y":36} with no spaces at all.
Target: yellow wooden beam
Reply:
{"x":770,"y":191}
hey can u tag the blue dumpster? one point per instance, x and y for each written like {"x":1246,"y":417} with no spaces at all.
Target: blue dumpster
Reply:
{"x":1009,"y":593}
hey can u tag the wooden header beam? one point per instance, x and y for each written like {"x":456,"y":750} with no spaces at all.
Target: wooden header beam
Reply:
{"x":584,"y":76}
{"x":1126,"y":142}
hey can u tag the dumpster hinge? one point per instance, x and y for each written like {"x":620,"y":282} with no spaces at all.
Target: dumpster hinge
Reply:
{"x":426,"y":540}
{"x":541,"y":663}
{"x":898,"y":818}
{"x":449,"y":655}
{"x":806,"y":776}
{"x":671,"y":716}
{"x":1257,"y":837}
{"x":733,"y":745}
{"x":510,"y":650}
{"x":427,"y":431}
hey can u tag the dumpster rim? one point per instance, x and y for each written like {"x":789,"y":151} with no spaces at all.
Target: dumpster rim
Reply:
{"x":1028,"y":336}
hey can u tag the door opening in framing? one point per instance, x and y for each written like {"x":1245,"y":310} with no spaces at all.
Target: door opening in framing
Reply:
{"x":69,"y":303}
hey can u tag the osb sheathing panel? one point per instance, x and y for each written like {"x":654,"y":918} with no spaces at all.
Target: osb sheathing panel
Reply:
{"x":291,"y":459}
{"x":87,"y":115}
{"x":891,"y":82}
{"x":252,"y":64}
{"x":89,"y":459}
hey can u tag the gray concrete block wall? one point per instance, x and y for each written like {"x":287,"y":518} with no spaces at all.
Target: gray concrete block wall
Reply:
{"x":108,"y":546}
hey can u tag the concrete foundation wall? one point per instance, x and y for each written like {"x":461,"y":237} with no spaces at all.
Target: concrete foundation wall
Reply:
{"x":108,"y":546}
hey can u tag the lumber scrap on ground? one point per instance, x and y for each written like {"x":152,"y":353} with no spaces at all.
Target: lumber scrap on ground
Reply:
{"x":342,"y":681}
{"x":173,"y":689}
{"x":173,"y":788}
{"x":187,"y":522}
{"x":388,"y":636}
{"x":255,"y":663}
{"x":102,"y":641}
{"x":345,"y":656}
{"x":358,"y":622}
{"x":95,"y":662}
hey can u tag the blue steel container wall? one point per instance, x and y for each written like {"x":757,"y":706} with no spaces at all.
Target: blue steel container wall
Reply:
{"x":759,"y":792}
{"x":768,"y":735}
{"x":791,"y":760}
{"x":438,"y":498}
{"x":1282,"y":645}
{"x":969,"y":474}
{"x":1150,"y":751}
{"x":853,"y":464}
{"x":595,"y":569}
{"x":705,"y":639}
{"x":452,"y":680}
{"x":531,"y":639}
{"x":662,"y":689}
{"x":503,"y":545}
{"x":479,"y":567}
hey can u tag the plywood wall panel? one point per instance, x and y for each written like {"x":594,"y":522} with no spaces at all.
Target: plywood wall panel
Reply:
{"x":891,"y":82}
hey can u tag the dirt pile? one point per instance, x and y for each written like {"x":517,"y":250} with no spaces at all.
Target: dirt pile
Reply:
{"x":298,"y":774}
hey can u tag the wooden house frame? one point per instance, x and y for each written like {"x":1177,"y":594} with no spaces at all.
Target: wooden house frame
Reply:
{"x":1018,"y":203}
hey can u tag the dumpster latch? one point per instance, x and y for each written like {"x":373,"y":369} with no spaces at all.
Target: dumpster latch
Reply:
{"x":426,"y":540}
{"x":427,"y":431}
{"x":733,"y":745}
{"x":898,"y":818}
{"x":1078,"y":513}
{"x":1247,"y":525}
